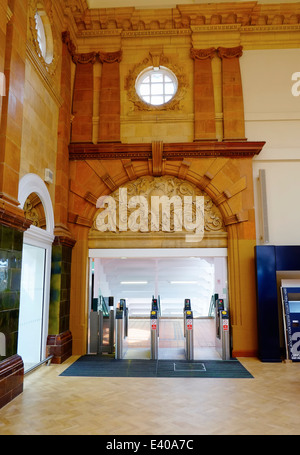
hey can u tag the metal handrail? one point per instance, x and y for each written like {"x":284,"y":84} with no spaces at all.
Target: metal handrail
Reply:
{"x":47,"y":360}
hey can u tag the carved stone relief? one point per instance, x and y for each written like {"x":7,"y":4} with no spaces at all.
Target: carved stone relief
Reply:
{"x":34,"y":211}
{"x":159,"y":186}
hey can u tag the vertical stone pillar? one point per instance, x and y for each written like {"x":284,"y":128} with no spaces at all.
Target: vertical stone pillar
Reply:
{"x":13,"y":34}
{"x":233,"y":102}
{"x":63,"y":139}
{"x":3,"y":22}
{"x":110,"y":104}
{"x":82,"y":124}
{"x":204,"y":104}
{"x":59,"y":341}
{"x":12,"y":108}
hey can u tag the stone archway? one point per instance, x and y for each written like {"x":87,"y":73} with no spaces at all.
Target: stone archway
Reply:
{"x":225,"y":176}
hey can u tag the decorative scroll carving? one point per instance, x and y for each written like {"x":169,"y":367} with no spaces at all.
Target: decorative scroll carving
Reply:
{"x":230,"y":52}
{"x":90,"y":57}
{"x":202,"y":54}
{"x":168,"y":186}
{"x":34,"y":211}
{"x":110,"y":57}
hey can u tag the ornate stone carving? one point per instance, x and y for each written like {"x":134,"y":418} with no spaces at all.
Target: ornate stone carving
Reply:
{"x":110,"y":57}
{"x":89,"y":57}
{"x":150,"y":62}
{"x":34,"y":211}
{"x":202,"y":54}
{"x":45,"y":7}
{"x":230,"y":52}
{"x":166,"y":186}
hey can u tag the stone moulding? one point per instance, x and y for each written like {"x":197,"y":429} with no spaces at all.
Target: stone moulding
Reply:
{"x":176,"y":151}
{"x":134,"y":22}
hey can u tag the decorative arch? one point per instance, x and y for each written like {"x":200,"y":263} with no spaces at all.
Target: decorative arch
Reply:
{"x":32,"y":183}
{"x":221,"y":171}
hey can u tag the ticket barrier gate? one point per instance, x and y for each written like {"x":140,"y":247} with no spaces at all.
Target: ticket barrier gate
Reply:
{"x":189,"y":335}
{"x":222,"y":330}
{"x":154,"y":321}
{"x":155,"y":306}
{"x":119,"y":333}
{"x":124,"y":308}
{"x":101,"y":320}
{"x":187,"y":307}
{"x":188,"y":329}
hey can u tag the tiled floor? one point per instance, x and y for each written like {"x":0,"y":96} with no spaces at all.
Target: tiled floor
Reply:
{"x":267,"y":404}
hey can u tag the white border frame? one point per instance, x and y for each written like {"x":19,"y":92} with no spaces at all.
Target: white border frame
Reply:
{"x":32,"y":183}
{"x":158,"y":252}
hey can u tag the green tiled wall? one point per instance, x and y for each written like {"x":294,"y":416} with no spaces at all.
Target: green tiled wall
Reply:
{"x":59,"y":314}
{"x":11,"y":243}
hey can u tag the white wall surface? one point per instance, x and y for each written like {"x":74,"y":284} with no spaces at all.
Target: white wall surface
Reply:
{"x":272,"y":114}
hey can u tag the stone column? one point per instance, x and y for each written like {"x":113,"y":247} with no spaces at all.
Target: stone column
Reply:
{"x":233,"y":102}
{"x":82,"y":124}
{"x":59,"y":341}
{"x":13,"y":35}
{"x":204,"y":104}
{"x":110,"y":104}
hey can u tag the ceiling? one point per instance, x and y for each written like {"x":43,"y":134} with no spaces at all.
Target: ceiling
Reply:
{"x":154,"y":4}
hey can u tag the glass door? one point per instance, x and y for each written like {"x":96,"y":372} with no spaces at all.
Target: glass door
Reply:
{"x":31,"y":305}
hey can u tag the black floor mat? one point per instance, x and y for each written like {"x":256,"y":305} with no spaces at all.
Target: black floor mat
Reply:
{"x":102,"y":366}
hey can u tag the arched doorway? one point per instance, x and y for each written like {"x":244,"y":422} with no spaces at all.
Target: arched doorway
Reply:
{"x":141,"y":246}
{"x":225,"y":176}
{"x":35,"y":200}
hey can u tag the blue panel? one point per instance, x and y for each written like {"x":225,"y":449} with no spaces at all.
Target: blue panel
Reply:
{"x":267,"y":304}
{"x":287,"y":257}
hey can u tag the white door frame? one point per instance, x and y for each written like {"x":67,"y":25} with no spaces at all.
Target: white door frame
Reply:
{"x":32,"y":183}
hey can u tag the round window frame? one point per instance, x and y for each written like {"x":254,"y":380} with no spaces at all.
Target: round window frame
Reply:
{"x":148,"y":72}
{"x":46,"y":48}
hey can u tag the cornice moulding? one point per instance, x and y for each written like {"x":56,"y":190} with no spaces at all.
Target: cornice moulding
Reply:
{"x":176,"y":151}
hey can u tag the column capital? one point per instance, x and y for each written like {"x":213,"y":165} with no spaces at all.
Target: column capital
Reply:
{"x":202,"y":54}
{"x":110,"y":57}
{"x":230,"y":52}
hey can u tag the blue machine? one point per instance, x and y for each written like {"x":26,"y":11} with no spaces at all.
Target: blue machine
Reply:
{"x":270,"y":260}
{"x":291,"y":311}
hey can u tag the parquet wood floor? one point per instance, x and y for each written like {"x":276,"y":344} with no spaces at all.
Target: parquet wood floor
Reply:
{"x":54,"y":405}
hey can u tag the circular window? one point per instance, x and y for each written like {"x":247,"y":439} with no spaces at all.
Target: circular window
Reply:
{"x":156,"y":86}
{"x":44,"y":36}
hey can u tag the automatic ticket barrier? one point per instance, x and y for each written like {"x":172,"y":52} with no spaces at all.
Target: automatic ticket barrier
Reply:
{"x":119,"y":333}
{"x":155,"y":306}
{"x":187,"y":307}
{"x":124,"y":308}
{"x":154,"y":321}
{"x":102,"y":331}
{"x":222,"y":330}
{"x":189,"y":335}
